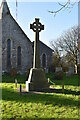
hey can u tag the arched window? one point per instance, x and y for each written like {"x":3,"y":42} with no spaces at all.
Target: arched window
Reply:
{"x":19,"y":56}
{"x":44,"y":61}
{"x":8,"y":53}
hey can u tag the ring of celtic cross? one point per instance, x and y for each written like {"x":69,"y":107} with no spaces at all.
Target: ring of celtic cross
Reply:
{"x":37,"y":27}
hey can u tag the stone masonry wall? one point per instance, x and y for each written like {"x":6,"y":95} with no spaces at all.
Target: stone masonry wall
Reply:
{"x":12,"y":31}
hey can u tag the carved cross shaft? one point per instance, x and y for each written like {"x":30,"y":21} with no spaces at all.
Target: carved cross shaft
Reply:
{"x":36,"y":27}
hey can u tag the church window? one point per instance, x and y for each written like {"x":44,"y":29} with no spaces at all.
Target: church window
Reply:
{"x":19,"y":56}
{"x":8,"y":52}
{"x":44,"y":61}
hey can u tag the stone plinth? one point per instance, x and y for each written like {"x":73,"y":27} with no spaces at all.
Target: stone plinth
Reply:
{"x":37,"y":80}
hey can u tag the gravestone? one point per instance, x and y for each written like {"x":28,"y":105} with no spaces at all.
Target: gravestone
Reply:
{"x":36,"y":80}
{"x":70,"y":71}
{"x":58,"y":69}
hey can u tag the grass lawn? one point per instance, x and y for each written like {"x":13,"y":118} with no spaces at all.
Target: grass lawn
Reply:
{"x":40,"y":106}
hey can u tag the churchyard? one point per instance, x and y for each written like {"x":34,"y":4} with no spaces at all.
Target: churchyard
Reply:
{"x":58,"y":104}
{"x":38,"y":95}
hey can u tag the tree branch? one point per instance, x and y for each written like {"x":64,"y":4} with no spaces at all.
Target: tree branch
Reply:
{"x":67,"y":5}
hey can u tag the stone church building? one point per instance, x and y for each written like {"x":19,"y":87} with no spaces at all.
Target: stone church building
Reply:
{"x":17,"y":48}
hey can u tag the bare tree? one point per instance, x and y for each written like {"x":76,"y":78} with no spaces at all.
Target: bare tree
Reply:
{"x":68,"y":43}
{"x":56,"y":54}
{"x":67,"y":5}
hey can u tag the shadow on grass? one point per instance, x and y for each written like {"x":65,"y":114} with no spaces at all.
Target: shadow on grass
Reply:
{"x":71,"y":92}
{"x":65,"y":91}
{"x":52,"y":90}
{"x":67,"y":82}
{"x":10,"y":79}
{"x":71,"y":80}
{"x":42,"y":119}
{"x":54,"y":99}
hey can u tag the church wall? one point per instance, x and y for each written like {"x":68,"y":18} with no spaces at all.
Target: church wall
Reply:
{"x":44,"y":49}
{"x":11,"y":30}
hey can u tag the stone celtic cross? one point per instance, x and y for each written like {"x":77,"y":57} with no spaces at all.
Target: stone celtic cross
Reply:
{"x":36,"y":27}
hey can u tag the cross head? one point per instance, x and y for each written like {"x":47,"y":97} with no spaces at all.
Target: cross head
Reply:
{"x":36,"y":26}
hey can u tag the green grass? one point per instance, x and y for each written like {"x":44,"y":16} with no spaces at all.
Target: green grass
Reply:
{"x":40,"y":106}
{"x":72,"y":80}
{"x":71,"y":84}
{"x":9,"y":79}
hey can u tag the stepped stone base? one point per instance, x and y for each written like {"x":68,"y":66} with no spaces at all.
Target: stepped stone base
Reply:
{"x":37,"y":80}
